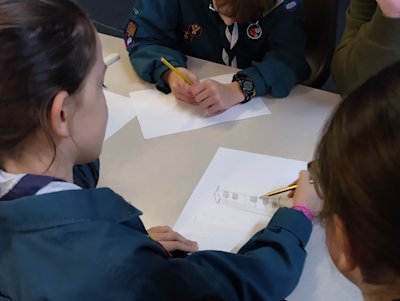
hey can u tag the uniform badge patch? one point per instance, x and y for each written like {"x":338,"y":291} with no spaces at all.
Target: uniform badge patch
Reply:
{"x":194,"y":30}
{"x":130,"y":32}
{"x":254,"y":31}
{"x":291,"y":6}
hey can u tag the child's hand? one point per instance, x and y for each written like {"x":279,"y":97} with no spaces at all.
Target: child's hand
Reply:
{"x":305,"y":193}
{"x":215,"y":97}
{"x":181,"y":89}
{"x":171,"y":240}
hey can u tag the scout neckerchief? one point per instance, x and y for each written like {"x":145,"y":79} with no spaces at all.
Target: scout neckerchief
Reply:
{"x":253,"y":31}
{"x":229,"y":51}
{"x":27,"y":186}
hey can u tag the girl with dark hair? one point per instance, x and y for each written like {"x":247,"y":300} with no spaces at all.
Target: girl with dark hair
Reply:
{"x":265,"y":38}
{"x":356,"y":172}
{"x":61,"y":242}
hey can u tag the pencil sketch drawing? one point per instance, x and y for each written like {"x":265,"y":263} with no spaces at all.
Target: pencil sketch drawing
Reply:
{"x":251,"y":203}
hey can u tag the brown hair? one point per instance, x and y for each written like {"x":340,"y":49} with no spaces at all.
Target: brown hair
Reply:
{"x":46,"y":46}
{"x":245,"y":11}
{"x":357,"y":172}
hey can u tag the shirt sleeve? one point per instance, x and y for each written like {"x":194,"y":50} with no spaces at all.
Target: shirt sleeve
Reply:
{"x":284,"y":64}
{"x":369,"y":43}
{"x":268,"y":267}
{"x":154,"y":23}
{"x":110,"y":261}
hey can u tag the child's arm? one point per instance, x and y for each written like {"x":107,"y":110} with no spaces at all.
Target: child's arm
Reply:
{"x":150,"y":33}
{"x":268,"y":267}
{"x":369,"y":43}
{"x":109,"y":254}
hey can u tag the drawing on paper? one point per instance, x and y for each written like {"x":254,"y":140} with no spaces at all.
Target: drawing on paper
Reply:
{"x":251,"y":203}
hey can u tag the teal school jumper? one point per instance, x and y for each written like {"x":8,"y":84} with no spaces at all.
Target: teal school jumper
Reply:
{"x":91,"y":245}
{"x":175,"y":28}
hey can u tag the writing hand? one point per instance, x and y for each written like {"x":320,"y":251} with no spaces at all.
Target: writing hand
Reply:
{"x":181,"y":89}
{"x":305,"y":193}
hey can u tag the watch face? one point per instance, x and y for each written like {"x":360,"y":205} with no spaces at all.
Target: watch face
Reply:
{"x":248,"y":86}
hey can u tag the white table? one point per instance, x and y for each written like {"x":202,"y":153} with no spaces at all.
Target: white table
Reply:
{"x":158,"y":175}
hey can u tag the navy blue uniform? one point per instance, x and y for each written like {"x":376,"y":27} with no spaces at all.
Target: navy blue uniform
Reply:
{"x":91,"y":245}
{"x":275,"y":60}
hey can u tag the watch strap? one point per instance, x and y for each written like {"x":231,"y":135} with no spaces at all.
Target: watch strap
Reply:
{"x":246,"y":85}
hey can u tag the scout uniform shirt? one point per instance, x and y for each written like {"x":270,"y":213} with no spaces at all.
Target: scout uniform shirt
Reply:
{"x":270,"y":49}
{"x":60,"y":242}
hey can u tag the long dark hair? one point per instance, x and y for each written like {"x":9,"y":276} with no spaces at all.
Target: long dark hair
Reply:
{"x":46,"y":46}
{"x":358,"y":173}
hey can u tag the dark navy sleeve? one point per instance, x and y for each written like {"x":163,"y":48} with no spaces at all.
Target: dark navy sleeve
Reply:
{"x":99,"y":242}
{"x":151,"y":33}
{"x":268,"y":267}
{"x":127,"y":265}
{"x":284,"y":64}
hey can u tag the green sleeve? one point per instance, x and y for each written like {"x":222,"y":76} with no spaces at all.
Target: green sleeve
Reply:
{"x":156,"y":22}
{"x":370,"y":42}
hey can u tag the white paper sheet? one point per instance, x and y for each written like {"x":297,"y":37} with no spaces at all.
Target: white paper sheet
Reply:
{"x":162,"y":114}
{"x":231,"y":171}
{"x":120,"y":111}
{"x":223,"y":212}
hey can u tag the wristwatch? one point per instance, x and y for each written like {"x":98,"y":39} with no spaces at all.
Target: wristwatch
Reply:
{"x":246,"y":85}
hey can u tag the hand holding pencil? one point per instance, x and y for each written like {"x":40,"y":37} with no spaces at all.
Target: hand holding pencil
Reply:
{"x":302,"y":191}
{"x":176,"y":70}
{"x":181,"y":81}
{"x":290,"y":187}
{"x":305,"y":193}
{"x":210,"y":95}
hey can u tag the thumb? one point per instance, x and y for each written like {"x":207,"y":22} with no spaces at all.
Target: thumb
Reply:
{"x":193,"y":77}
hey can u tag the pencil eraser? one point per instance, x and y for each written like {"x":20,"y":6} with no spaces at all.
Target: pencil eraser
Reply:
{"x":111,"y":59}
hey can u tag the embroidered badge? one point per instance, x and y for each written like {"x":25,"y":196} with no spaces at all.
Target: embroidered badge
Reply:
{"x":135,"y":11}
{"x":194,"y":30}
{"x":130,"y":32}
{"x":254,"y":31}
{"x":291,"y":6}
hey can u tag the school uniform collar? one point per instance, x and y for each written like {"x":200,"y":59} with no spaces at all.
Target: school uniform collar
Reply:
{"x":63,"y":208}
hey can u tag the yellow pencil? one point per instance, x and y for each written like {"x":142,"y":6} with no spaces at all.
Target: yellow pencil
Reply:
{"x":288,"y":188}
{"x":267,"y":195}
{"x":168,"y":64}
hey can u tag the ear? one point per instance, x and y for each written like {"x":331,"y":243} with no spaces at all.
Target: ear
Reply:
{"x":60,"y":115}
{"x":344,"y":261}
